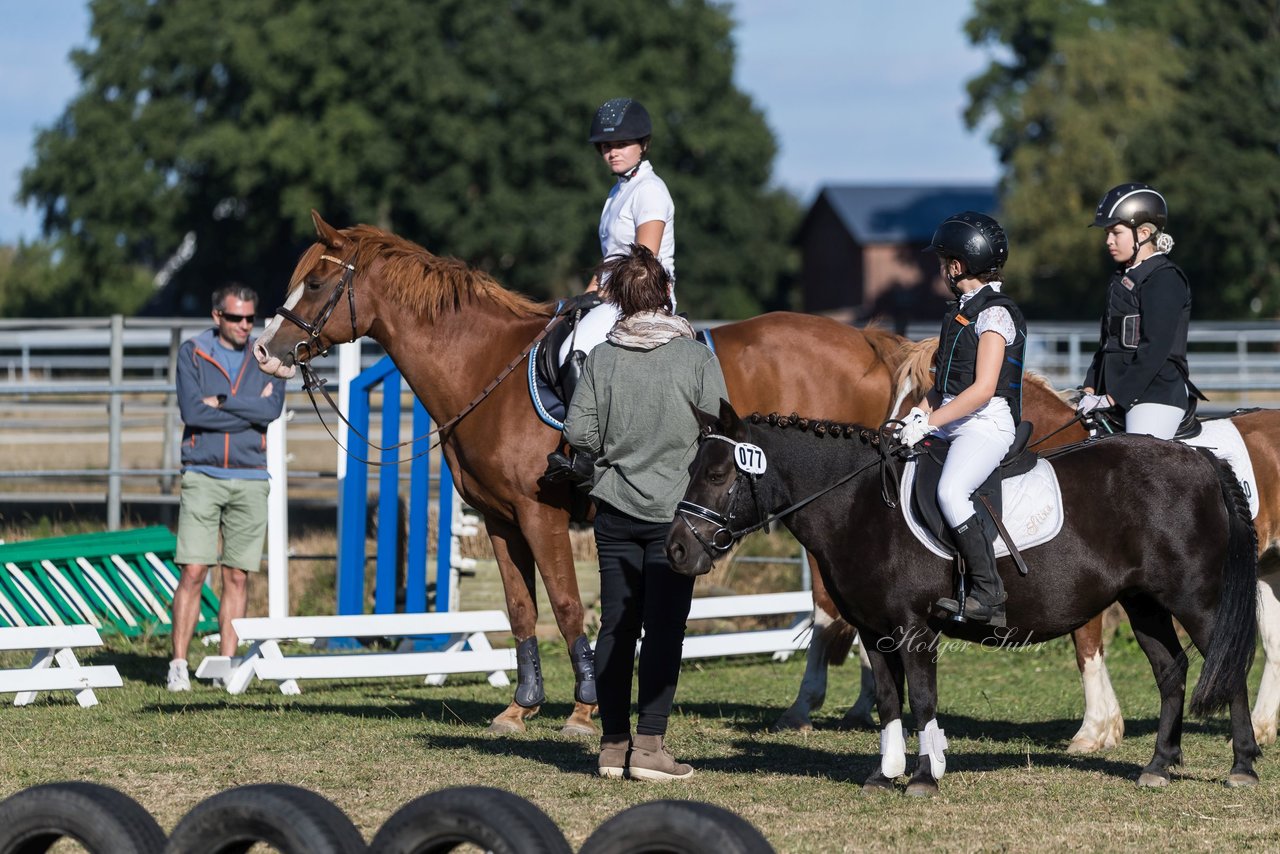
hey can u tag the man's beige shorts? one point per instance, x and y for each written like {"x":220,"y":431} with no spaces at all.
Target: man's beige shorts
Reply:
{"x":235,"y":508}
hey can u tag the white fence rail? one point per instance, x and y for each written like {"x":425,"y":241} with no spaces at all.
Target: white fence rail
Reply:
{"x":66,"y":369}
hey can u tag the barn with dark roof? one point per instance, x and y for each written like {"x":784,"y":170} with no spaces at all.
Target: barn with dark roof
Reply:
{"x":862,"y":250}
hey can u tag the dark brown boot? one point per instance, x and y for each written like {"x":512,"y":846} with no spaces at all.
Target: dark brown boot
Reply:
{"x":613,"y":755}
{"x":650,"y":760}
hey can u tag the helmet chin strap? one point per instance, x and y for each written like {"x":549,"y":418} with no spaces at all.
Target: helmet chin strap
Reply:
{"x":628,"y":174}
{"x":1138,"y":244}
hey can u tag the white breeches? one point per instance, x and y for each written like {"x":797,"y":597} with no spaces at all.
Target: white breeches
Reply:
{"x":1154,"y":419}
{"x":977,"y":446}
{"x":592,"y":329}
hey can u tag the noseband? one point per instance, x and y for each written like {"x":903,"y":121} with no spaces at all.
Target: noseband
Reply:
{"x":315,"y":327}
{"x":724,"y":535}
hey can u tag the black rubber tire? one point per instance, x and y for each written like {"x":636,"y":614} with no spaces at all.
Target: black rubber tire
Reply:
{"x":100,"y":818}
{"x":676,"y":827}
{"x":495,"y":820}
{"x":293,"y":820}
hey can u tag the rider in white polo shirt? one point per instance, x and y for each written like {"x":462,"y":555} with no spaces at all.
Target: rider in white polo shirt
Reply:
{"x":638,"y":209}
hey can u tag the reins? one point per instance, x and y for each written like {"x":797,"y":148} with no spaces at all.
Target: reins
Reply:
{"x":684,"y":509}
{"x":311,"y":382}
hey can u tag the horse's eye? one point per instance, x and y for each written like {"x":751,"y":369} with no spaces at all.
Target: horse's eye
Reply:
{"x":313,"y":285}
{"x":716,"y":475}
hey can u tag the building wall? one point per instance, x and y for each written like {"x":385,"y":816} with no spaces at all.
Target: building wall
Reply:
{"x":831,"y":267}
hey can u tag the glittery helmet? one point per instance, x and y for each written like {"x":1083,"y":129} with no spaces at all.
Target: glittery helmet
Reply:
{"x":620,"y":119}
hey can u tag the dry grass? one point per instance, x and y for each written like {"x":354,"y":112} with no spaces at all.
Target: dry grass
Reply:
{"x":373,"y":746}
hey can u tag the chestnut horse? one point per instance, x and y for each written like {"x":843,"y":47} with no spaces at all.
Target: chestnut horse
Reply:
{"x":1103,"y":724}
{"x":824,"y":482}
{"x":451,"y":330}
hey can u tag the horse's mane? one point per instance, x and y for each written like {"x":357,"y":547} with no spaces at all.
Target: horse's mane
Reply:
{"x":917,"y":359}
{"x":427,"y":284}
{"x":816,"y":426}
{"x":889,"y":347}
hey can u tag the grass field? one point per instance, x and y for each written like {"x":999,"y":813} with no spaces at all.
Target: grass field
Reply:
{"x":374,"y":745}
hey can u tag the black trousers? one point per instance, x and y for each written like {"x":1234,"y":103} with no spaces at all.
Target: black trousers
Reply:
{"x":638,"y":590}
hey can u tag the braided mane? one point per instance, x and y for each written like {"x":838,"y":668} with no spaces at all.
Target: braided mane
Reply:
{"x":427,"y":284}
{"x":816,"y":426}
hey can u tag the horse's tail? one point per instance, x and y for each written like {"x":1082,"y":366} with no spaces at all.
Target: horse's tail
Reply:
{"x":837,"y":638}
{"x":1235,"y":625}
{"x":911,"y":378}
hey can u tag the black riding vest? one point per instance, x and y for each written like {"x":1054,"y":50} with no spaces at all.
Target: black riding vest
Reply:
{"x":957,"y":358}
{"x":1123,"y":331}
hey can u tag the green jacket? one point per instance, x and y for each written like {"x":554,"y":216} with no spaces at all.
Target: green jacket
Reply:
{"x":632,"y":409}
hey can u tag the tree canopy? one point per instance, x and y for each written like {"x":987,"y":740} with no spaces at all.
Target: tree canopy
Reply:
{"x":204,"y":133}
{"x":1183,"y":95}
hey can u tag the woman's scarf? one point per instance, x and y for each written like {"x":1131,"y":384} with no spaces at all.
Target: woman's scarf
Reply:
{"x":647,"y":330}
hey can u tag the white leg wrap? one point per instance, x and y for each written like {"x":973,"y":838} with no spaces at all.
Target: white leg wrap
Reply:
{"x":933,"y":743}
{"x":893,"y":750}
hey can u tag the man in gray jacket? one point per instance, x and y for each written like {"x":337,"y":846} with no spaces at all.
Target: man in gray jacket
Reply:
{"x":226,"y":405}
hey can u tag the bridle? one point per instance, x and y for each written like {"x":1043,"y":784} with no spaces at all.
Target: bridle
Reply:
{"x":312,"y":382}
{"x":725,"y":534}
{"x":315,"y":327}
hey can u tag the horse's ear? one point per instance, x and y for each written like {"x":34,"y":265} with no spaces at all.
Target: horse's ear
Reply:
{"x":706,"y":421}
{"x":329,"y":235}
{"x":728,"y":417}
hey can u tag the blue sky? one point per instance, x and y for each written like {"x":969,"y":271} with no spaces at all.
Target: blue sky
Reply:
{"x":855,"y":91}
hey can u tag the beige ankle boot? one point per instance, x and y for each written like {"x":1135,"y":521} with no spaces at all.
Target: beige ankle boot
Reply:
{"x":650,"y":760}
{"x":613,"y":755}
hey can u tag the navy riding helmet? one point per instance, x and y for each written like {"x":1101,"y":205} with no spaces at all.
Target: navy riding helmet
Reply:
{"x":620,"y":120}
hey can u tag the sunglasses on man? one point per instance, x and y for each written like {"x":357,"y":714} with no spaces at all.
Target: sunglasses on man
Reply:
{"x":236,"y":318}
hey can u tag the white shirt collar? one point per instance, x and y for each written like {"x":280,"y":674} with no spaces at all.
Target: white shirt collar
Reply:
{"x":995,"y":286}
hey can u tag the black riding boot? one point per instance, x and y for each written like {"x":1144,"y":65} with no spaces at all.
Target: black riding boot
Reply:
{"x":576,"y":467}
{"x":985,"y":600}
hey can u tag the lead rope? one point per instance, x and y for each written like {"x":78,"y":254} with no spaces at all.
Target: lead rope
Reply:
{"x":312,"y":382}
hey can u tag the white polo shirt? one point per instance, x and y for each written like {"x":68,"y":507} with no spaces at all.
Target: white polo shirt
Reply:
{"x":635,"y":201}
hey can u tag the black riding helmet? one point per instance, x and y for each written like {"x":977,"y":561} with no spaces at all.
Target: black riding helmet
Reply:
{"x":1132,"y":204}
{"x":974,"y":238}
{"x":620,"y":119}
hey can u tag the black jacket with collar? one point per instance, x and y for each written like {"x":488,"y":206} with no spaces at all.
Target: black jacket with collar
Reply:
{"x":1142,"y":347}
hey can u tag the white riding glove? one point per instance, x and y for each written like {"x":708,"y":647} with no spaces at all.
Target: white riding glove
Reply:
{"x":1090,"y":402}
{"x":915,"y":427}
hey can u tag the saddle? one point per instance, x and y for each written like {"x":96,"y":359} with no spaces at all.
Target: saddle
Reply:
{"x":988,"y":498}
{"x":1111,"y":420}
{"x":547,"y":361}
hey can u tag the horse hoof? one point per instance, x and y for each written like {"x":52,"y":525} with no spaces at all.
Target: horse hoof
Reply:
{"x":505,"y":726}
{"x":856,"y":723}
{"x":1083,"y":745}
{"x":877,"y":782}
{"x":1241,"y":781}
{"x":789,"y":723}
{"x":1149,"y":780}
{"x":922,"y":790}
{"x":578,"y":730}
{"x":1264,"y":733}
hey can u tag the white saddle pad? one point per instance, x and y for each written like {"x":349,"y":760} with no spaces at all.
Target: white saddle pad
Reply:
{"x":1032,"y":510}
{"x":1224,"y":439}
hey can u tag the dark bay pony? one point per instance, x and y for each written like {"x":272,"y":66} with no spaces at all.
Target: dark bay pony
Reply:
{"x":1162,"y":528}
{"x":451,"y":330}
{"x":1103,"y":724}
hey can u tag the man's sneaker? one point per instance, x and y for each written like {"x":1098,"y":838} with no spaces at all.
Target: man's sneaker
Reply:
{"x":179,"y":678}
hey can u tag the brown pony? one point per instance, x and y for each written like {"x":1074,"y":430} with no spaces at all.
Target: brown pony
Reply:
{"x":452,"y":330}
{"x":1103,"y":725}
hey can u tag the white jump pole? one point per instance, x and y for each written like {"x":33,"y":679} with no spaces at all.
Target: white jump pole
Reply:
{"x":278,"y":518}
